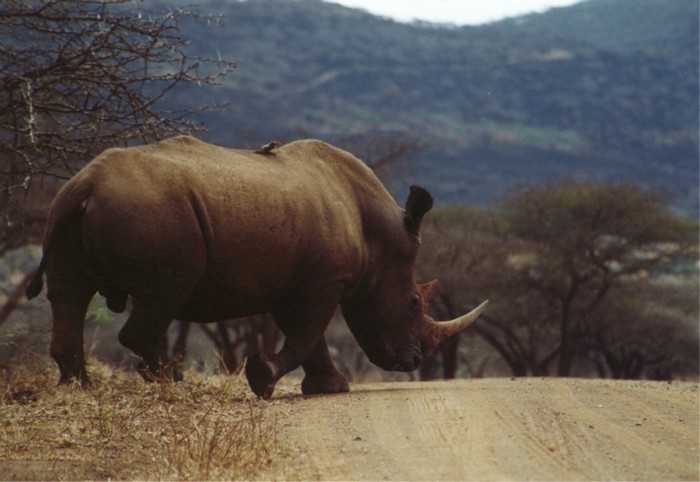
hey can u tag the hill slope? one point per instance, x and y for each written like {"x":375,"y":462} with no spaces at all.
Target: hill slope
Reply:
{"x":605,"y":89}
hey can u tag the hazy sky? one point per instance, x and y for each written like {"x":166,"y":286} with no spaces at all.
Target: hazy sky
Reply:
{"x":459,"y":12}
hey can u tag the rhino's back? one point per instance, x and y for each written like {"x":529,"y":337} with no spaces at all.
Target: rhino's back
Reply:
{"x":307,"y":160}
{"x":187,"y":158}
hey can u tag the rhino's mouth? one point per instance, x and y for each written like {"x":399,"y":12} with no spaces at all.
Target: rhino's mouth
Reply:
{"x":408,"y":365}
{"x":405,"y":360}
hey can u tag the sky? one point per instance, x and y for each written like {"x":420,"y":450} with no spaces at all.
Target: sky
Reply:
{"x":458,"y":12}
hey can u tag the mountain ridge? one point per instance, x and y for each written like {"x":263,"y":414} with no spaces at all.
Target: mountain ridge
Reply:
{"x":603,"y":89}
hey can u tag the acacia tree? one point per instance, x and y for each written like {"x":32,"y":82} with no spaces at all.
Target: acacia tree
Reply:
{"x":77,"y":76}
{"x":646,"y":326}
{"x":585,"y":238}
{"x":561,"y":264}
{"x":471,"y":253}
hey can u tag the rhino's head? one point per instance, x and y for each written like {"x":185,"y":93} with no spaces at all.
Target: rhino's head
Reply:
{"x":389,"y":321}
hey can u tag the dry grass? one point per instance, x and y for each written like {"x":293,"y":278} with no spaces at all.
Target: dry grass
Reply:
{"x":208,"y":427}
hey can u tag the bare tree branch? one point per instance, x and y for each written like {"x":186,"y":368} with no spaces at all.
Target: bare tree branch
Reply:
{"x":77,"y":76}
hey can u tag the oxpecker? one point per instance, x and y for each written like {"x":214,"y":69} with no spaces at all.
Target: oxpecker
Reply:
{"x":267,"y":148}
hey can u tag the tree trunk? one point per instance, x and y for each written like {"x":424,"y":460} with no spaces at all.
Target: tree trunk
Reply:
{"x":566,"y":344}
{"x":448,"y":349}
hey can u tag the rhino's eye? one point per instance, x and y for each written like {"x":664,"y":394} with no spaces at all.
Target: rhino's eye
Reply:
{"x":415,"y":300}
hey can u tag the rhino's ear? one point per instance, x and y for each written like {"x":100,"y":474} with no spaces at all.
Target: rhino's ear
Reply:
{"x":418,"y":203}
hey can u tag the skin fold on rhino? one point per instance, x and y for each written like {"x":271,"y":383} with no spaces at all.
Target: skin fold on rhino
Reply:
{"x":197,"y":232}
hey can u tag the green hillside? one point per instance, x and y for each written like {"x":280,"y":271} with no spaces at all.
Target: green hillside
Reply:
{"x":604,"y":89}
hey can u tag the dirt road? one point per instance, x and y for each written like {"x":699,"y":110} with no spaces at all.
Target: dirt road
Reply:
{"x":494,"y":429}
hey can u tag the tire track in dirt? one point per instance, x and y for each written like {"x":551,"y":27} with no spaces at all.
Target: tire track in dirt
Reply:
{"x":650,"y":428}
{"x":431,"y":433}
{"x":493,"y":429}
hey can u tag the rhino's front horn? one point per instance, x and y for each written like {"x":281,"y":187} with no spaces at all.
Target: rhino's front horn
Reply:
{"x":445,"y":329}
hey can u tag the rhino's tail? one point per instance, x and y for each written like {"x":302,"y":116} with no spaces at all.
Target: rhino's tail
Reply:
{"x":66,"y":209}
{"x":35,"y":285}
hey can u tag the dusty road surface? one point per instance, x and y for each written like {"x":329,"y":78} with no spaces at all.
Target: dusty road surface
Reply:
{"x":493,"y":429}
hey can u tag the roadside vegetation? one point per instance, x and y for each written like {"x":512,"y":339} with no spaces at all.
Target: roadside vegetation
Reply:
{"x":208,"y":427}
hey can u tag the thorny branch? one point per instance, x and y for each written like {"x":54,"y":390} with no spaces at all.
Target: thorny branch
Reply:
{"x":77,"y":76}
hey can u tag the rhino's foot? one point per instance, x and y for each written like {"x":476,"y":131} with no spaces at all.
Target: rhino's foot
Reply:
{"x":326,"y":383}
{"x":80,"y":378}
{"x":168,"y":373}
{"x":260,"y":373}
{"x":72,"y":370}
{"x":147,"y":374}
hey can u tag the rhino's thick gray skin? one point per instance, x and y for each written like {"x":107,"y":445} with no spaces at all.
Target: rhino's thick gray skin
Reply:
{"x":198,"y":232}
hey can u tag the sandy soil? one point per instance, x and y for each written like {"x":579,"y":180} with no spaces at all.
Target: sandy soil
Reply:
{"x":493,"y":429}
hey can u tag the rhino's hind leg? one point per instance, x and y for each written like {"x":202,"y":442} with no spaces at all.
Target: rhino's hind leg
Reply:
{"x":321,"y":374}
{"x":144,"y":334}
{"x":68,"y":309}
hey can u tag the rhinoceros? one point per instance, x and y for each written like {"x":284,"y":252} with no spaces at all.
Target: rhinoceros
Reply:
{"x":194,"y":231}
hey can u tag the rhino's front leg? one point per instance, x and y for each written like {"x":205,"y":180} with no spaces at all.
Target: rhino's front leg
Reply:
{"x":262,"y":374}
{"x":303,"y":323}
{"x":263,"y":371}
{"x":321,"y":374}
